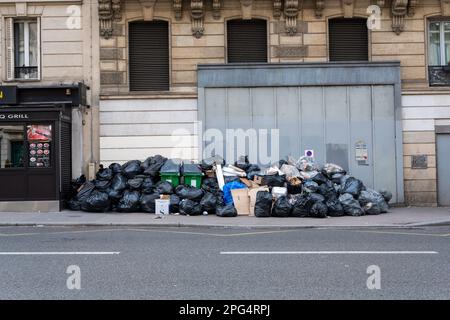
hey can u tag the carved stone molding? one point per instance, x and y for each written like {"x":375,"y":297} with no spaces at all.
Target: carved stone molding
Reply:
{"x":399,"y":10}
{"x":105,"y":15}
{"x":197,"y":15}
{"x":291,"y":9}
{"x":277,"y":4}
{"x":319,"y":6}
{"x":178,"y":9}
{"x":348,"y":8}
{"x":216,"y":6}
{"x":246,"y":8}
{"x":116,"y":8}
{"x":381,"y":3}
{"x":445,"y":7}
{"x":147,"y":9}
{"x":412,"y":7}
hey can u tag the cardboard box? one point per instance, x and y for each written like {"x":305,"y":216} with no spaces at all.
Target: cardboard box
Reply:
{"x":162,"y":206}
{"x":252,"y":196}
{"x":241,"y":201}
{"x":258,"y":180}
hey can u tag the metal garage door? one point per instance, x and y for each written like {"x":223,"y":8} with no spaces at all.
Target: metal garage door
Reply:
{"x":340,"y":123}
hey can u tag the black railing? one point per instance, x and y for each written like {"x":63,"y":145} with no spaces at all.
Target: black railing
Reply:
{"x":439,"y":75}
{"x":30,"y":72}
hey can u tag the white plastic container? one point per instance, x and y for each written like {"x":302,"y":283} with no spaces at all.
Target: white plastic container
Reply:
{"x":278,"y":192}
{"x":162,"y":206}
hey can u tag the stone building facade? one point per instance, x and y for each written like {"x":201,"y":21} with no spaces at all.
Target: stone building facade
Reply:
{"x":123,"y":124}
{"x":60,"y":38}
{"x":297,"y":32}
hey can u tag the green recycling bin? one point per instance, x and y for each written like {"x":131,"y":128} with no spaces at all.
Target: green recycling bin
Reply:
{"x":170,"y":172}
{"x":192,"y":175}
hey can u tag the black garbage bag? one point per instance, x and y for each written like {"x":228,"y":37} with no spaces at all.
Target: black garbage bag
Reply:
{"x":281,"y":162}
{"x":229,"y":179}
{"x":119,"y":182}
{"x":131,"y":169}
{"x":263,"y":204}
{"x":335,"y":208}
{"x":350,"y":205}
{"x":328,"y":190}
{"x":75,"y":185}
{"x":135,"y":183}
{"x":129,"y":202}
{"x":242,"y":163}
{"x":85,"y":191}
{"x":274,"y":180}
{"x":174,"y":203}
{"x":294,"y":188}
{"x":226,"y":211}
{"x":74,"y":205}
{"x":210,"y":185}
{"x":102,"y":185}
{"x":316,"y":197}
{"x":319,"y":178}
{"x":114,"y":195}
{"x":164,"y":187}
{"x":152,"y":165}
{"x":189,"y":192}
{"x":281,"y":208}
{"x":115,"y":168}
{"x":318,"y":210}
{"x":253,"y":168}
{"x":147,"y":202}
{"x":337,"y":177}
{"x":302,"y":205}
{"x":330,"y":169}
{"x":352,"y":186}
{"x":251,"y":174}
{"x":104,"y":174}
{"x":148,"y":185}
{"x":209,"y":202}
{"x":208,"y":163}
{"x":387,"y":195}
{"x":372,"y":202}
{"x":310,"y":186}
{"x":96,"y":202}
{"x":189,"y":207}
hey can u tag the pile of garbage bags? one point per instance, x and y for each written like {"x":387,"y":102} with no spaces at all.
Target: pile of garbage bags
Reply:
{"x":293,"y":188}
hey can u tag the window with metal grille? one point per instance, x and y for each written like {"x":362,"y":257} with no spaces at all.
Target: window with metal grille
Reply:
{"x":149,"y":55}
{"x":247,"y":41}
{"x":348,"y":39}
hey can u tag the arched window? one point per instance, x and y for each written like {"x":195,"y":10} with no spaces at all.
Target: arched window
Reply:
{"x":148,"y":55}
{"x":348,"y":39}
{"x":246,"y":41}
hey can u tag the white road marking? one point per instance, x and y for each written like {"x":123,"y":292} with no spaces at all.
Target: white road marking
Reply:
{"x":324,"y":252}
{"x":49,"y":253}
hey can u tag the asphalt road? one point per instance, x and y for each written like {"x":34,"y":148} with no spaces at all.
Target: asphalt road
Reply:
{"x":205,"y":263}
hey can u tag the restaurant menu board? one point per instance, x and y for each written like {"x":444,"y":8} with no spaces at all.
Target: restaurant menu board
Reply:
{"x":39,"y":141}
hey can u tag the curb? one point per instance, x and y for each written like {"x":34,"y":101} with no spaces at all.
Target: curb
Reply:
{"x":210,"y":226}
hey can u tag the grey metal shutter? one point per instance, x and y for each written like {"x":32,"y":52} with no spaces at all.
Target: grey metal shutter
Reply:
{"x":66,"y":158}
{"x":149,"y":56}
{"x":247,"y":41}
{"x":348,"y":40}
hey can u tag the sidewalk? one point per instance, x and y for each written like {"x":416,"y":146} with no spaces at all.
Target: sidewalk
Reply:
{"x":397,"y":217}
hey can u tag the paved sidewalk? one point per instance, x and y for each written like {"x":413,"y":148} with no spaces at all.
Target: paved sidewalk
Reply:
{"x":397,"y":217}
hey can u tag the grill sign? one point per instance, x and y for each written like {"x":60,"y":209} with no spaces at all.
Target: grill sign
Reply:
{"x":8,"y":95}
{"x":13,"y":116}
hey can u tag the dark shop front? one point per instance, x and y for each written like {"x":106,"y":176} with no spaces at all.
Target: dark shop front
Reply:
{"x":35,"y":145}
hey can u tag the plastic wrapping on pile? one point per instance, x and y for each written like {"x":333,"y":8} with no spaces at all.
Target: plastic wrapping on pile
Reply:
{"x":189,"y":192}
{"x":290,"y":171}
{"x":227,"y":197}
{"x":351,"y":205}
{"x":306,"y":164}
{"x":372,"y":202}
{"x":279,"y":192}
{"x":281,"y":208}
